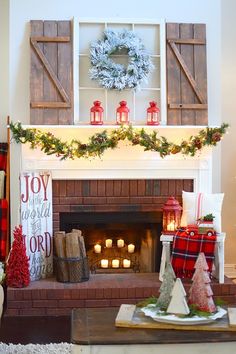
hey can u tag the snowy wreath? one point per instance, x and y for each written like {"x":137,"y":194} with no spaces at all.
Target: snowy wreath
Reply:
{"x":111,"y":75}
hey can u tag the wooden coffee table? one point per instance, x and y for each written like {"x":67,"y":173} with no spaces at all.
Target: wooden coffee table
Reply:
{"x":94,"y":328}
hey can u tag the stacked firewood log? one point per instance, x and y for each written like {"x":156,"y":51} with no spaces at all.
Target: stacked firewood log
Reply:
{"x":70,"y":256}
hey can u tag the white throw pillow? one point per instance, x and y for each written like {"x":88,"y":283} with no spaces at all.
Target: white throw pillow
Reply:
{"x":196,"y":205}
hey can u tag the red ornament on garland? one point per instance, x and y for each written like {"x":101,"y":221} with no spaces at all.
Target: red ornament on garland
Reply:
{"x":96,"y":113}
{"x":17,"y":268}
{"x":153,"y":114}
{"x":122,"y":113}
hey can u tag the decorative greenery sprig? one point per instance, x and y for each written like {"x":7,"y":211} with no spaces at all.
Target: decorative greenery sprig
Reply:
{"x":100,"y":142}
{"x":208,"y":217}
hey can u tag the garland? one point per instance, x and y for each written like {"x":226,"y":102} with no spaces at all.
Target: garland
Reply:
{"x":100,"y":142}
{"x":111,"y":75}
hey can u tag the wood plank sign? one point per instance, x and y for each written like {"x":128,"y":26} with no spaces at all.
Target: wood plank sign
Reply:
{"x":36,"y":220}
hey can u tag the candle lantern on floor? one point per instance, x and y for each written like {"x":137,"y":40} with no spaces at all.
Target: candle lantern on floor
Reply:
{"x":122,"y":113}
{"x":171,"y":216}
{"x":153,"y":114}
{"x":96,"y":113}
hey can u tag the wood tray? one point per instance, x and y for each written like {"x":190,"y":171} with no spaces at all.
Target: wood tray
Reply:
{"x":132,"y":317}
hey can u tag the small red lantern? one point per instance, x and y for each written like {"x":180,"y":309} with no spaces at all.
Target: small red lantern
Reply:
{"x":171,"y":216}
{"x":153,"y":114}
{"x":96,"y":113}
{"x":122,"y":113}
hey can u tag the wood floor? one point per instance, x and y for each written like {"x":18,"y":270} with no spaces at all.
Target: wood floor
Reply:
{"x":35,"y":330}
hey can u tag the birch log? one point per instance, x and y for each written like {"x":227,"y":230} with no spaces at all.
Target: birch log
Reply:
{"x":60,"y":251}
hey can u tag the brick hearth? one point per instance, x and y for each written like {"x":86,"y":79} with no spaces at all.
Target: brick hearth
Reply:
{"x":51,"y":298}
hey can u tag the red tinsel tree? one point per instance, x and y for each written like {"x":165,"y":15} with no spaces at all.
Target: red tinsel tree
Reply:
{"x":17,"y":268}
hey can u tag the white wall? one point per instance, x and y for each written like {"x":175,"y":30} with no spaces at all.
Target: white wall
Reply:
{"x":4,"y":58}
{"x":173,"y":11}
{"x":201,"y":11}
{"x":229,"y":115}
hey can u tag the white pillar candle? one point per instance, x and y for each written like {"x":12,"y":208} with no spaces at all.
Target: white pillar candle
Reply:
{"x":104,"y":263}
{"x":131,"y":248}
{"x":120,"y":243}
{"x":109,"y":243}
{"x":171,"y":226}
{"x":97,"y":248}
{"x":126,"y":263}
{"x":115,"y":263}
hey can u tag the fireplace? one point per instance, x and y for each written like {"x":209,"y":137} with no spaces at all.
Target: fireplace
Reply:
{"x":118,"y":242}
{"x":130,"y":210}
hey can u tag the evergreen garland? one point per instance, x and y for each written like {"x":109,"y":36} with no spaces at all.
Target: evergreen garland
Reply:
{"x":111,"y":75}
{"x":100,"y":142}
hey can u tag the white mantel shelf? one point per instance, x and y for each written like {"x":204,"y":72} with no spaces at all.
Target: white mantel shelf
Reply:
{"x":111,"y":126}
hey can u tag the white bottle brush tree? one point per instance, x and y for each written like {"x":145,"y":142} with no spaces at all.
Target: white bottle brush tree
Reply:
{"x":178,"y":304}
{"x":166,"y":287}
{"x":200,"y":293}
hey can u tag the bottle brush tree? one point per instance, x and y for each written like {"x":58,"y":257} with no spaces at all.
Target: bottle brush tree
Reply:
{"x":17,"y":268}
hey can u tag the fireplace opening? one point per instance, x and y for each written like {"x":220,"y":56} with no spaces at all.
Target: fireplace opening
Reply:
{"x":118,"y":242}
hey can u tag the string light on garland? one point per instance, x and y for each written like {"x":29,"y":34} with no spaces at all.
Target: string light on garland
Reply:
{"x":100,"y":142}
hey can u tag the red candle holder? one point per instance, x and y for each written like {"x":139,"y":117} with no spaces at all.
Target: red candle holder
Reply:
{"x":153,"y":114}
{"x":96,"y":113}
{"x":122,"y":113}
{"x":171,"y":216}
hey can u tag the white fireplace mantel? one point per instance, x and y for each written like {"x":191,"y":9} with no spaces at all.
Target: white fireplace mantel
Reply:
{"x":125,"y":162}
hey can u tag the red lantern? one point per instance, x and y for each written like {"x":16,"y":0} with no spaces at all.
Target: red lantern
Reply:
{"x":122,"y":113}
{"x":96,"y":113}
{"x":153,"y":114}
{"x":171,"y":216}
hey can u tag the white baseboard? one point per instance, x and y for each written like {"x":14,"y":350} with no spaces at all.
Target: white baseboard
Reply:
{"x":230,"y":270}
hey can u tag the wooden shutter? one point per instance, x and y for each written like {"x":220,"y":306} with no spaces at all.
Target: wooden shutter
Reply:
{"x":51,"y":79}
{"x":186,"y":74}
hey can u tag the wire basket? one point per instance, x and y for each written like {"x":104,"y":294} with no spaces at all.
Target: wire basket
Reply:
{"x":71,"y":270}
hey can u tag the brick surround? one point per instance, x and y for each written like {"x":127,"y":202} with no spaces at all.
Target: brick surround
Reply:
{"x":114,"y":195}
{"x":49,"y":297}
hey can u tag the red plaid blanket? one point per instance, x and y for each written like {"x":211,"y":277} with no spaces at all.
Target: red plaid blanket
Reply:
{"x":3,"y":228}
{"x":185,"y":252}
{"x":3,"y":156}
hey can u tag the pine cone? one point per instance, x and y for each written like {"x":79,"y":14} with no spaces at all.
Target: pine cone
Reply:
{"x":135,"y":141}
{"x":198,"y":143}
{"x":175,"y":150}
{"x":83,"y":146}
{"x":216,"y":137}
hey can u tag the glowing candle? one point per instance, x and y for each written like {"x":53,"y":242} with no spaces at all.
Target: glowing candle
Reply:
{"x":108,"y":243}
{"x":104,"y":263}
{"x":120,"y":243}
{"x":97,"y":248}
{"x":126,"y":263}
{"x":131,"y":248}
{"x":115,"y":263}
{"x":171,"y":226}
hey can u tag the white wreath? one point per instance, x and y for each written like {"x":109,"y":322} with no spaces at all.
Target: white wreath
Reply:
{"x":111,"y":75}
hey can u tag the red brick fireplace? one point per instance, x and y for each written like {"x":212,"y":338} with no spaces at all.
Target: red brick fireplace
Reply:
{"x":49,"y":297}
